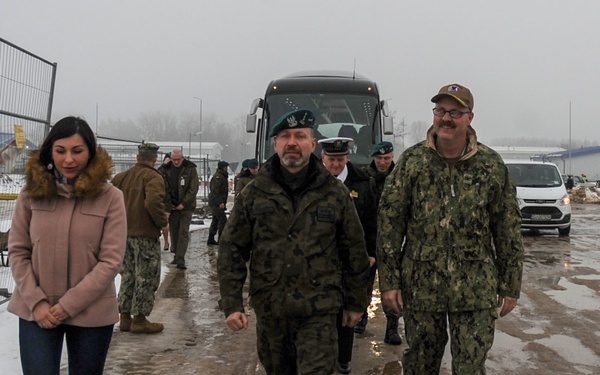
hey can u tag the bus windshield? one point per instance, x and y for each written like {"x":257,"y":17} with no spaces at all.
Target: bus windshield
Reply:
{"x":338,"y":115}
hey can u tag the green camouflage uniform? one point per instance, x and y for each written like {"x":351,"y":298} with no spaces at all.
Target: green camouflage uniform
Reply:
{"x":307,"y":259}
{"x":242,"y":180}
{"x":451,"y":242}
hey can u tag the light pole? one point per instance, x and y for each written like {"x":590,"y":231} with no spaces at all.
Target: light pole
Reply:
{"x":200,"y":160}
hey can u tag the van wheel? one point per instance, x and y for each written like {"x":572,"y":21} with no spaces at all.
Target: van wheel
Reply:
{"x":564,"y":232}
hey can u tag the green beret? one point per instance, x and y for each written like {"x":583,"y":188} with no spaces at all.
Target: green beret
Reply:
{"x":336,"y":145}
{"x":148,"y":149}
{"x":245,"y":163}
{"x":382,"y":148}
{"x":252,"y":163}
{"x":300,"y":118}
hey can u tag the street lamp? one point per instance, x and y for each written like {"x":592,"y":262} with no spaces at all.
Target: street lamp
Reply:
{"x":201,"y":161}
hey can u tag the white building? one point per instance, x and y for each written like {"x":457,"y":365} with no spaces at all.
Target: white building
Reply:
{"x":576,"y":161}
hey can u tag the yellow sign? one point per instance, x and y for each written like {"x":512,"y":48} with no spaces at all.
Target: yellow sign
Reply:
{"x":19,"y":136}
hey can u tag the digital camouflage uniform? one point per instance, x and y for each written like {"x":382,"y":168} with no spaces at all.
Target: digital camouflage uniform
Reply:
{"x":307,"y":261}
{"x":451,"y":242}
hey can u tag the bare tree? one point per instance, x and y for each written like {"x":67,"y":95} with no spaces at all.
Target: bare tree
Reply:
{"x":157,"y":125}
{"x":418,"y":132}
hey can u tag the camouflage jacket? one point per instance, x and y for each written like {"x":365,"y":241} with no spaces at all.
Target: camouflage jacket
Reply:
{"x":242,"y":180}
{"x":219,"y":188}
{"x":307,"y":261}
{"x":450,"y":241}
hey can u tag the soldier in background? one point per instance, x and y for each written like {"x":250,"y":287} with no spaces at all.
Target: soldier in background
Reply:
{"x":298,"y":225}
{"x":335,"y":157}
{"x":381,"y":166}
{"x":246,"y":175}
{"x":144,"y":192}
{"x":449,"y":244}
{"x":217,"y":201}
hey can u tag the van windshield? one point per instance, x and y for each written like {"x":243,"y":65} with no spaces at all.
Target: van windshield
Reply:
{"x":535,"y":175}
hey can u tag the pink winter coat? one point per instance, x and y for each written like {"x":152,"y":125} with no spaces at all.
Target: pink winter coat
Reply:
{"x":66,"y":244}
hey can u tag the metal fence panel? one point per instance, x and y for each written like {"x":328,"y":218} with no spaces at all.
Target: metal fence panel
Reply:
{"x":26,"y":95}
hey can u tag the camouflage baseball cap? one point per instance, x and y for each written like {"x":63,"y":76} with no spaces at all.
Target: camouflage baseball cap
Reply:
{"x":382,"y":148}
{"x":458,"y":92}
{"x":300,"y":118}
{"x":149,"y":149}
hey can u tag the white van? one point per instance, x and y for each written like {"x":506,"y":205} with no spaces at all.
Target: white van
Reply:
{"x":542,"y":195}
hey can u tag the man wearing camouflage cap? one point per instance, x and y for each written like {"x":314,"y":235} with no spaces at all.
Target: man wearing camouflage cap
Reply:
{"x":297,"y":227}
{"x":449,"y":241}
{"x":144,"y":192}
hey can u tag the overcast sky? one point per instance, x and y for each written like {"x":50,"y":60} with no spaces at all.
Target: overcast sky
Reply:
{"x":524,"y":61}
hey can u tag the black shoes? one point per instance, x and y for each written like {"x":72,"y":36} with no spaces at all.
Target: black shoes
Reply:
{"x":361,"y":325}
{"x":173,"y":261}
{"x":211,"y":241}
{"x":181,"y":267}
{"x":391,"y":332}
{"x":343,"y":368}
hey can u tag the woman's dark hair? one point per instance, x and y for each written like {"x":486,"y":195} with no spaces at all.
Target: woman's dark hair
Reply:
{"x":65,"y":128}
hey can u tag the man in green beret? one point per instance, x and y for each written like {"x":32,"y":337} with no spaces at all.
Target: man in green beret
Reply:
{"x":144,"y":191}
{"x":381,"y":166}
{"x":297,"y":227}
{"x":249,"y":170}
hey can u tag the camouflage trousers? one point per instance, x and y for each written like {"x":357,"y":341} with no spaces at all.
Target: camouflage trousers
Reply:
{"x":140,"y":275}
{"x":297,"y":346}
{"x":471,"y":337}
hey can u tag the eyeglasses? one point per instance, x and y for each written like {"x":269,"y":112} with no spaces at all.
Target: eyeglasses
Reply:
{"x":440,"y":112}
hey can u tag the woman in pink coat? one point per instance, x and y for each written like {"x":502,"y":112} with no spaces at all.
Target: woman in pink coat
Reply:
{"x":66,"y":246}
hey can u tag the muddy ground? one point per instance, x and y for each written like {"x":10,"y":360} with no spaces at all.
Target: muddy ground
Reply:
{"x":555,"y":329}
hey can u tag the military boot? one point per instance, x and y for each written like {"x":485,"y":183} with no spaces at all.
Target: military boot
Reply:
{"x":362,"y":324}
{"x":141,"y":325}
{"x":391,"y":332}
{"x":211,"y":241}
{"x":124,"y":322}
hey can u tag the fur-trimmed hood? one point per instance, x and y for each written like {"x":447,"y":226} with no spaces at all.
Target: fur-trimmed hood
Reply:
{"x":41,"y":183}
